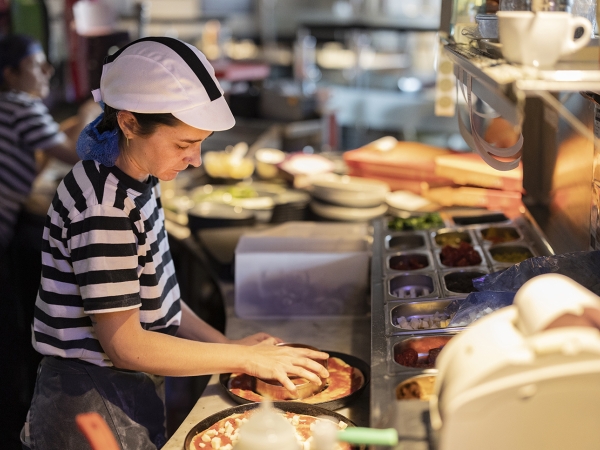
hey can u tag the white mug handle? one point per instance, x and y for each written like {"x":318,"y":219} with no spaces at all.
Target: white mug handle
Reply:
{"x":571,"y":45}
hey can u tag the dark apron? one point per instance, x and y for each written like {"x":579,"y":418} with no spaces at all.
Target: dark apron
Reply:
{"x":131,"y":403}
{"x":20,"y":269}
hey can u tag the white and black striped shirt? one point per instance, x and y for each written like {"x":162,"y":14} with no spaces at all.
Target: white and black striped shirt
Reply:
{"x":105,"y":249}
{"x":25,"y":126}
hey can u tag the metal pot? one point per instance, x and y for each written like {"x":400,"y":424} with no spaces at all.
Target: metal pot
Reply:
{"x":488,"y":25}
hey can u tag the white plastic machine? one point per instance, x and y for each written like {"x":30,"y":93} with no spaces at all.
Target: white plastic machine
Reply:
{"x":509,"y":383}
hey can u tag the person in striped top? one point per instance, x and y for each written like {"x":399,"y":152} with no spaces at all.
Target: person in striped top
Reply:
{"x":26,"y":131}
{"x":25,"y":125}
{"x":109,"y":315}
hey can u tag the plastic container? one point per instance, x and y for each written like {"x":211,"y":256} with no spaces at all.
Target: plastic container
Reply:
{"x":303,"y":269}
{"x":93,"y":18}
{"x":267,"y":430}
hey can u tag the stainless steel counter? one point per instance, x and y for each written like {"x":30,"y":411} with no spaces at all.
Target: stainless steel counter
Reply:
{"x":349,"y":335}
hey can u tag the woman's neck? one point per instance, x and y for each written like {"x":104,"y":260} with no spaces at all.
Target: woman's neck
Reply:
{"x":129,"y":166}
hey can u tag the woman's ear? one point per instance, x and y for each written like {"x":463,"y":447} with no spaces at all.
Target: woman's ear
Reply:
{"x":127,"y":122}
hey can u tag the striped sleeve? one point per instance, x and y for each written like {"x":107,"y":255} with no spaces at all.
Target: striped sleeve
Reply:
{"x":104,"y":253}
{"x":37,"y":129}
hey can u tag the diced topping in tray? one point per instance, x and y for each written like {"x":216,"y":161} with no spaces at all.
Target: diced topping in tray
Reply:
{"x":461,"y":256}
{"x":427,"y":322}
{"x":416,"y":388}
{"x":410,"y":358}
{"x":511,"y":255}
{"x":420,"y":352}
{"x":453,"y":238}
{"x":424,"y":222}
{"x":498,"y":235}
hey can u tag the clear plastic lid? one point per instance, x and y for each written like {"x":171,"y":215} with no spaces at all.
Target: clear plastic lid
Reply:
{"x":267,"y":429}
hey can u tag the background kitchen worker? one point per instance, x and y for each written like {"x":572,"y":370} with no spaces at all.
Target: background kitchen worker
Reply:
{"x":26,"y":130}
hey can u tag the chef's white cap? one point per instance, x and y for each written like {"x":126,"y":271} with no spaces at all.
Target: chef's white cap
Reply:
{"x":165,"y":75}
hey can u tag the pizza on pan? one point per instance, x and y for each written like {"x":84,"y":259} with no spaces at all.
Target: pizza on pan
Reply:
{"x":343,"y":380}
{"x":224,"y":434}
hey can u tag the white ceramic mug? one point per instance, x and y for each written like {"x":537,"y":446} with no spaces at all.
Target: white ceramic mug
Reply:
{"x":539,"y":39}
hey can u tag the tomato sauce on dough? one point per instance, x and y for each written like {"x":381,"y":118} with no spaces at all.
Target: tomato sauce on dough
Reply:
{"x":343,"y":380}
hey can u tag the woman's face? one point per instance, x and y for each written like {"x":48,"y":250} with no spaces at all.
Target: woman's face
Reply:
{"x":166,"y":152}
{"x":33,"y":75}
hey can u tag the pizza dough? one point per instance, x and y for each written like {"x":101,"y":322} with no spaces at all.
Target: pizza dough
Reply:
{"x":343,"y":380}
{"x":223,"y":434}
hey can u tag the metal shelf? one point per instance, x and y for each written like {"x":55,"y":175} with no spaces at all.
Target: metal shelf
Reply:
{"x":505,"y":86}
{"x":501,"y":76}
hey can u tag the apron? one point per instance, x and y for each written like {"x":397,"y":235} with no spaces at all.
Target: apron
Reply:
{"x":131,"y":403}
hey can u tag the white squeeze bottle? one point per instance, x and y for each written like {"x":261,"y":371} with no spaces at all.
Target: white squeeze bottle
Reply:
{"x":267,"y":429}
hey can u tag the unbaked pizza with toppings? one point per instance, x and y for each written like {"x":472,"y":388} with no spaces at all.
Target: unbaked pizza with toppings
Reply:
{"x":224,"y":434}
{"x":343,"y":380}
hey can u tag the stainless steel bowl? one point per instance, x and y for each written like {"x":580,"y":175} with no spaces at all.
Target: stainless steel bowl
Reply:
{"x":487,"y":25}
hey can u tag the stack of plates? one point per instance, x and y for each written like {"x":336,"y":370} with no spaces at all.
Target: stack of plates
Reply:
{"x":347,"y":198}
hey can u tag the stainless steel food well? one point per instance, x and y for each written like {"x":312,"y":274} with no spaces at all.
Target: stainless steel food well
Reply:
{"x":410,"y":261}
{"x":402,"y":241}
{"x":483,"y":264}
{"x":487,"y":218}
{"x":453,"y":281}
{"x":496,"y":253}
{"x":416,"y":309}
{"x":414,"y":387}
{"x":412,"y":286}
{"x":422,"y":344}
{"x":451,"y":236}
{"x":489,"y":235}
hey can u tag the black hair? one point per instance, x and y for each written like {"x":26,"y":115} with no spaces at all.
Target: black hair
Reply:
{"x":146,"y":123}
{"x":13,"y":48}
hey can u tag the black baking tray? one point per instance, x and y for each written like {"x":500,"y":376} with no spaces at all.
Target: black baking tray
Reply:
{"x":330,"y":405}
{"x":291,"y":407}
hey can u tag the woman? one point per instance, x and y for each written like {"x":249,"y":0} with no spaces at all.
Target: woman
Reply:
{"x":108,"y":311}
{"x":26,"y":131}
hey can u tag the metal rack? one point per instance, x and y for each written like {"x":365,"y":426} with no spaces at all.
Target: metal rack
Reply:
{"x":505,"y":86}
{"x":409,"y":418}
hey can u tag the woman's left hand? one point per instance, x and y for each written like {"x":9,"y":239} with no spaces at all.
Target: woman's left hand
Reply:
{"x":258,"y":338}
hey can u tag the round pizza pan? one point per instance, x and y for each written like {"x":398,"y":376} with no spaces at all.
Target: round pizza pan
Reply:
{"x":331,"y":405}
{"x":291,"y":407}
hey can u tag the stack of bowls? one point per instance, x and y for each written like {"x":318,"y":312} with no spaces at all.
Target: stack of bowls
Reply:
{"x":347,"y":198}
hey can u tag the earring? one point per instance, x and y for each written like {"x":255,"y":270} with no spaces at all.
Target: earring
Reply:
{"x":127,"y":139}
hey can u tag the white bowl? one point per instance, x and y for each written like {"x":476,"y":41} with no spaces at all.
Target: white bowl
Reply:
{"x":349,"y":191}
{"x":267,"y":160}
{"x":334,"y":212}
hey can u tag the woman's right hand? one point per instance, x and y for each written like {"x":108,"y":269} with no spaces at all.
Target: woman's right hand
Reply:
{"x":274,"y":362}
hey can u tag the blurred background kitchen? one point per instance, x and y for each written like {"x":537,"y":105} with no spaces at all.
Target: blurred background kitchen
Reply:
{"x":321,"y":90}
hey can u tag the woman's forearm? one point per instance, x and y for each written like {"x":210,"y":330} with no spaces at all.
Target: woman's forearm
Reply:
{"x":131,"y":347}
{"x":166,"y":355}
